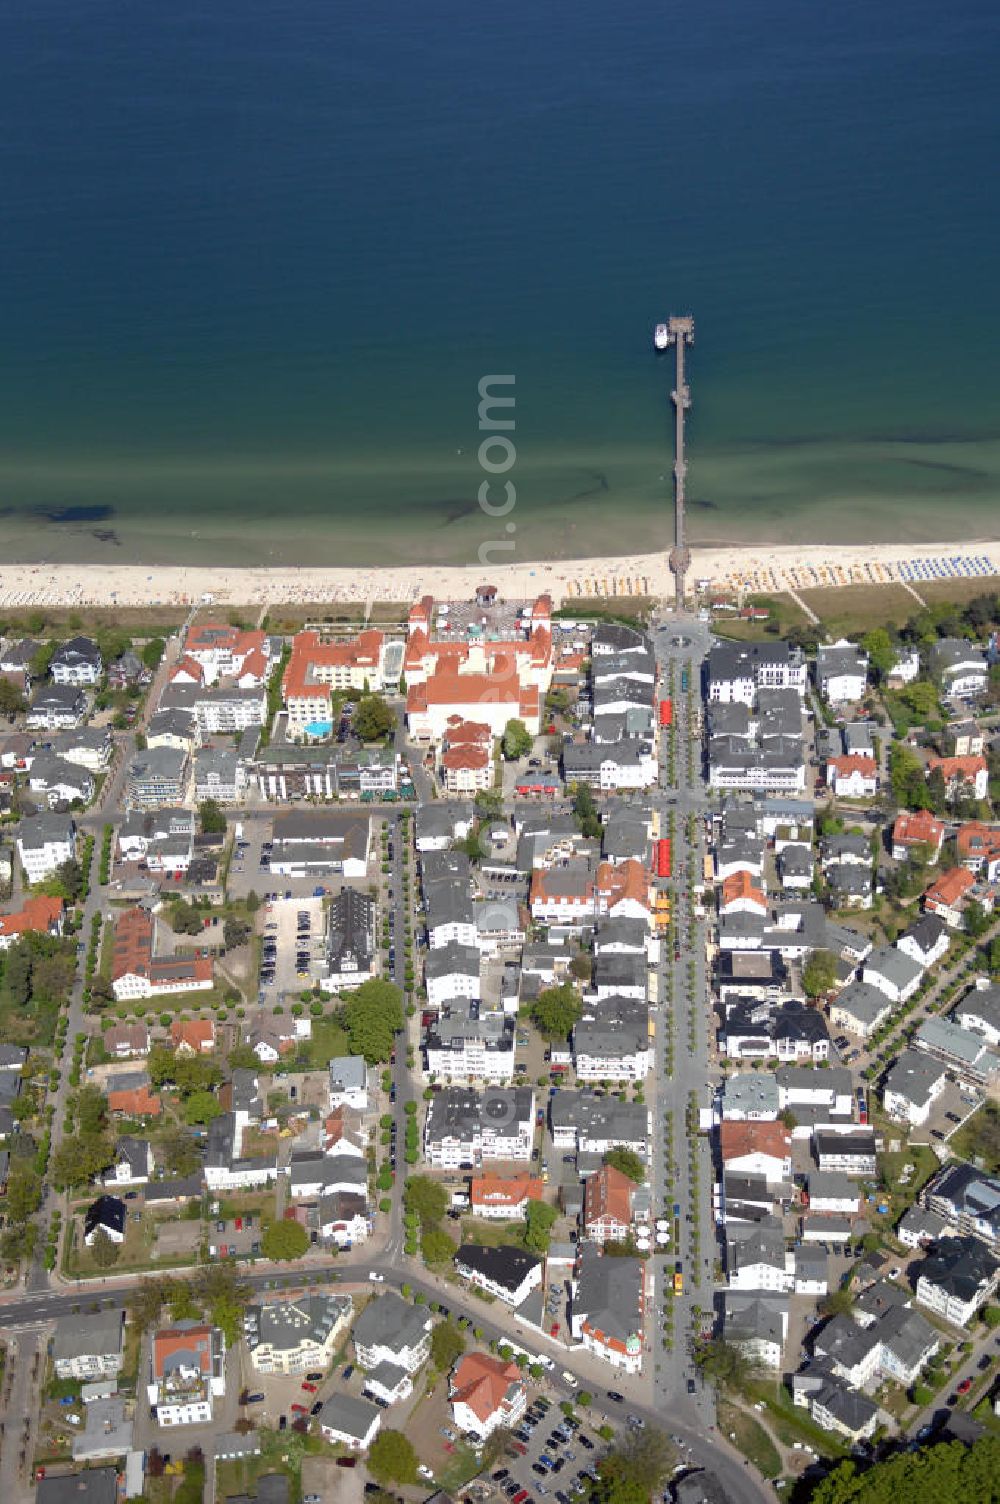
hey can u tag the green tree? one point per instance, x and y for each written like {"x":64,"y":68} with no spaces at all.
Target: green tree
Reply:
{"x":881,"y":652}
{"x":79,"y":1158}
{"x":201,"y":1107}
{"x":628,"y":1162}
{"x":104,"y":1250}
{"x":373,"y":718}
{"x":391,"y":1458}
{"x":12,"y":701}
{"x":585,"y":812}
{"x":635,"y":1469}
{"x":725,"y":1363}
{"x":284,"y":1240}
{"x":839,"y":1302}
{"x":819,"y":974}
{"x":146,"y":1303}
{"x":906,"y":773}
{"x":211,"y":817}
{"x":556,"y":1010}
{"x":152,"y":652}
{"x":179,"y":1153}
{"x":426,"y":1199}
{"x":17,"y":973}
{"x":447,"y":1345}
{"x":947,"y":1472}
{"x":436,"y":1246}
{"x":225,"y":1296}
{"x":517,"y":740}
{"x":236,"y":932}
{"x":539,"y":1220}
{"x":24,"y":1193}
{"x":91,"y":1111}
{"x":977,"y":921}
{"x":373,"y":1016}
{"x":921,"y":698}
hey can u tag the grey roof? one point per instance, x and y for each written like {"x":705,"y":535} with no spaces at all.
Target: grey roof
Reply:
{"x":907,"y":1334}
{"x":390,"y":1322}
{"x":38,"y":830}
{"x":850,"y":1407}
{"x":93,"y":1485}
{"x":623,"y":837}
{"x":748,"y":1244}
{"x":348,"y":1073}
{"x":831,"y":1183}
{"x":176,"y":722}
{"x":351,"y":929}
{"x":459,"y":1110}
{"x":450,"y":960}
{"x":352,"y":1417}
{"x":878,"y":1300}
{"x":965,"y":1046}
{"x":609,"y":1294}
{"x":981,"y":1003}
{"x":156,"y":763}
{"x":796,"y":860}
{"x":959,"y":1266}
{"x":913,"y":1075}
{"x":948,"y":653}
{"x":590,"y":757}
{"x":863,"y":1001}
{"x":850,"y":879}
{"x":621,"y":931}
{"x":438,"y":819}
{"x":600,"y":1117}
{"x":496,"y":914}
{"x":286,"y":1325}
{"x":859,"y":1141}
{"x":837,"y":659}
{"x":963,"y":1190}
{"x":927,"y":932}
{"x":77,"y":650}
{"x":895,"y":965}
{"x":751,"y":1316}
{"x":836,"y":847}
{"x":750,"y":1091}
{"x":921,"y":1222}
{"x":844,"y":1341}
{"x":448,"y":902}
{"x":89,"y":1333}
{"x":58,"y":697}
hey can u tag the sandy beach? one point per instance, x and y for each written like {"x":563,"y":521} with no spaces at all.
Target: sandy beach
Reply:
{"x":769,"y":568}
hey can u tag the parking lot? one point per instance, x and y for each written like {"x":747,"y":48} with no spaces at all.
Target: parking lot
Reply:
{"x":293,"y":947}
{"x":549,"y":1455}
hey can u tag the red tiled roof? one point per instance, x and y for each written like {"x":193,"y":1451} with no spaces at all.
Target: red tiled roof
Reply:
{"x":309,"y":652}
{"x":917,"y":829}
{"x":957,"y":769}
{"x":193,"y":1341}
{"x":618,"y":880}
{"x":482,"y":1383}
{"x":607,"y":1193}
{"x":974,"y":839}
{"x":737,"y":1139}
{"x":196,"y":1033}
{"x":135,"y":1102}
{"x":504,"y":1190}
{"x":951,"y":886}
{"x":36,"y":915}
{"x":741,"y":885}
{"x":467,"y":756}
{"x":854,"y":762}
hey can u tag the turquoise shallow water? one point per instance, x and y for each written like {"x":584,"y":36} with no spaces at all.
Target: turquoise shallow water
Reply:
{"x":257,"y":258}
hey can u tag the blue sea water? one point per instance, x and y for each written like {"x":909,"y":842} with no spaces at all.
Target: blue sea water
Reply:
{"x":255,"y":259}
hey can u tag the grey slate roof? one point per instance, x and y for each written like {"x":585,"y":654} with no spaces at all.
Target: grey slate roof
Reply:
{"x":390,"y":1322}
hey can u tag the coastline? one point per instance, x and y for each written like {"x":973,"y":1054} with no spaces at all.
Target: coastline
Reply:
{"x":767,"y":568}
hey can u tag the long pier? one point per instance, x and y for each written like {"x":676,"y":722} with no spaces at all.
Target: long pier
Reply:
{"x":680,"y":332}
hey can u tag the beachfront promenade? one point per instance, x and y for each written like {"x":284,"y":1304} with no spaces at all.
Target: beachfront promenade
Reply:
{"x":732,"y":570}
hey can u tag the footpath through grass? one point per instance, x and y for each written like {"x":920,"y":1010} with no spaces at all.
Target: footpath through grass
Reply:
{"x":750,"y":1438}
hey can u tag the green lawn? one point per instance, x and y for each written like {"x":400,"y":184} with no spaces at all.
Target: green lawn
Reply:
{"x":791,"y":1423}
{"x":492,"y":1234}
{"x":461,"y":1467}
{"x":750,"y":1438}
{"x":980,"y":1137}
{"x":328,"y":1042}
{"x":858,"y":608}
